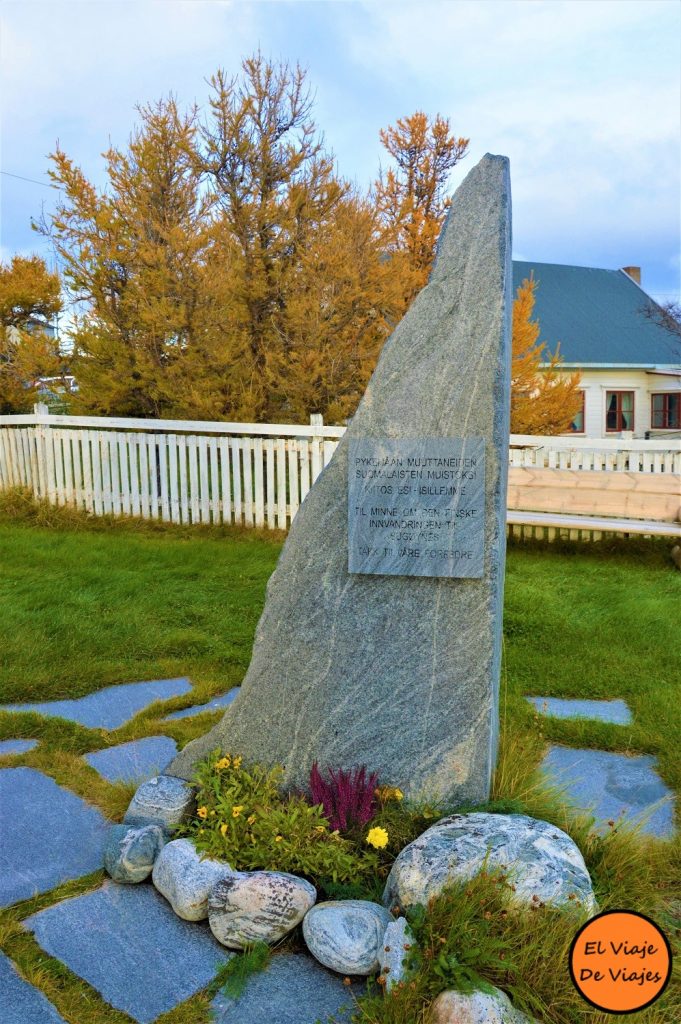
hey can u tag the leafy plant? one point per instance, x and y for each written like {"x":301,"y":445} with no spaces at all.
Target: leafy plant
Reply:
{"x":243,"y":818}
{"x":347,"y":797}
{"x":234,"y":975}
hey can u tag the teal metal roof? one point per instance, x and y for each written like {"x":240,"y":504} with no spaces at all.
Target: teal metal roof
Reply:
{"x":596,"y":316}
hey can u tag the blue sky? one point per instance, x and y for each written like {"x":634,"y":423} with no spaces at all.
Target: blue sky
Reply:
{"x":582,"y":95}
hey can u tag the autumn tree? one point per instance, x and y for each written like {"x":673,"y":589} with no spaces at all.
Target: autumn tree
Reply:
{"x":135,"y":259}
{"x":544,"y":399}
{"x":308,"y":292}
{"x":29,"y":299}
{"x":411,"y":196}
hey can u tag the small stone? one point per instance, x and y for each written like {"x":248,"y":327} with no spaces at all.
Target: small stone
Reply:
{"x":476,"y":1008}
{"x":130,"y":852}
{"x":539,"y":859}
{"x":258,"y":906}
{"x":186,"y":880}
{"x":347,"y":935}
{"x":397,"y":942}
{"x":164,"y":801}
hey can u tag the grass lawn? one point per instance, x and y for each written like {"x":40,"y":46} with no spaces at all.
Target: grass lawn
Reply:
{"x":82,"y":607}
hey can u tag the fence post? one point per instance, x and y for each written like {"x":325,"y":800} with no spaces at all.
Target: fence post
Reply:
{"x":316,"y":446}
{"x":43,"y":439}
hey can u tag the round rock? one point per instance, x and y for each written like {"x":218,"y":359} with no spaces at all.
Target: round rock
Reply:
{"x":130,"y":852}
{"x":257,"y":906}
{"x":163,"y":800}
{"x":347,"y":935}
{"x":476,"y":1008}
{"x":186,"y":880}
{"x":543,"y":863}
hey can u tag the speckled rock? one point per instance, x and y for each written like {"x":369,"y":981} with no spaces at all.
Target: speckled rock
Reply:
{"x":542,"y":862}
{"x":318,"y":688}
{"x":186,"y":880}
{"x":476,"y":1008}
{"x":257,"y":906}
{"x":163,"y":800}
{"x":347,"y":935}
{"x":394,"y":952}
{"x":130,"y":852}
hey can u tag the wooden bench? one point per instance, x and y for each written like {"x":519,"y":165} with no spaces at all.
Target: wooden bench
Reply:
{"x":605,"y":502}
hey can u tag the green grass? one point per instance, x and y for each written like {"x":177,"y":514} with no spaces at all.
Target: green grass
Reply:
{"x":84,"y":604}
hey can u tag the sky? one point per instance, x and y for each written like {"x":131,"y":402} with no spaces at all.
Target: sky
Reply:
{"x":583,"y":96}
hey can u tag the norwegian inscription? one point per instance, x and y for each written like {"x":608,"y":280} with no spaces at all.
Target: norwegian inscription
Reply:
{"x":417,"y":507}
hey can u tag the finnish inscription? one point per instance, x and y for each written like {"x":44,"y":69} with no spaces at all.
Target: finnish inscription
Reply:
{"x":416,"y":507}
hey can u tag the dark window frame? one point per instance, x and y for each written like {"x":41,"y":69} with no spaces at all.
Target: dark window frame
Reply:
{"x":666,"y":424}
{"x":619,"y":412}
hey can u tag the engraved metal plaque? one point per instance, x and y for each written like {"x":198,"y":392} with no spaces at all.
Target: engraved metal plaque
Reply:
{"x":416,"y":507}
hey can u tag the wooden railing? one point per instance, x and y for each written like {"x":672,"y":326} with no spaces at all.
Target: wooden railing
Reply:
{"x":187,"y":471}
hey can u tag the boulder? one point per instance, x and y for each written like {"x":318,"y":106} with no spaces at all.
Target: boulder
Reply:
{"x":347,"y":935}
{"x":186,"y":880}
{"x":163,"y":800}
{"x":320,"y":685}
{"x":543,"y":864}
{"x":394,"y":952}
{"x":130,"y":852}
{"x":257,"y":906}
{"x":476,"y":1008}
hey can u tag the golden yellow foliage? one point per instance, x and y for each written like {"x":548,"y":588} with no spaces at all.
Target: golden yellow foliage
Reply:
{"x":544,"y":400}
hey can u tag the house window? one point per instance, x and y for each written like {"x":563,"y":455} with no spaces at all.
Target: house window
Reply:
{"x":619,"y":410}
{"x":577,"y":425}
{"x":666,"y":412}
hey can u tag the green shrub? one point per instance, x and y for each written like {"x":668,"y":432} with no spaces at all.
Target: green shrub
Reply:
{"x":243,"y":818}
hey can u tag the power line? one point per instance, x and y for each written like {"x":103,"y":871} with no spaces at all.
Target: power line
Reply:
{"x":34,"y":181}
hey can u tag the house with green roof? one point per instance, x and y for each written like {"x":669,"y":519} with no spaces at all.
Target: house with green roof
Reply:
{"x":610,"y":330}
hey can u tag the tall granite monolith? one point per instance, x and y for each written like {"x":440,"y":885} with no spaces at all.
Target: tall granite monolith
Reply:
{"x":380,"y":640}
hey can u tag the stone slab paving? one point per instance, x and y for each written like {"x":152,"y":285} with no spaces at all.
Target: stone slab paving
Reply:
{"x":294,"y":989}
{"x":16,"y":746}
{"x":615,"y":711}
{"x":613,"y":785}
{"x":48,"y":835}
{"x":22,"y":1003}
{"x":111,"y":707}
{"x":136,"y":761}
{"x":129,"y":945}
{"x":217,"y":704}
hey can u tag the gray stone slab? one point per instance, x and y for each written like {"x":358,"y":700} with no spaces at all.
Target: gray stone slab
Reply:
{"x":216,"y":704}
{"x":16,"y":746}
{"x":294,"y":989}
{"x":612,"y":785}
{"x":48,"y":835}
{"x":134,"y":761}
{"x":417,"y":507}
{"x":129,"y":945}
{"x":341,"y":661}
{"x":21,"y":1002}
{"x":615,"y":711}
{"x":111,"y":707}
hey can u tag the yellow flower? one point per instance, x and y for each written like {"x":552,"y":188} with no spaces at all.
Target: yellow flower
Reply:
{"x":378,"y":838}
{"x":202,"y":812}
{"x":237,"y":762}
{"x":236,"y":811}
{"x":399,"y":795}
{"x":223,"y":828}
{"x":278,"y":839}
{"x":224,"y":762}
{"x":320,"y":828}
{"x":251,"y":819}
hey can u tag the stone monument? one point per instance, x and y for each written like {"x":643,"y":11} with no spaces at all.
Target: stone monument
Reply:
{"x":380,"y":640}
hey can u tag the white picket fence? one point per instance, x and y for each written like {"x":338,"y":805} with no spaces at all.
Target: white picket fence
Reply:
{"x":240,"y":473}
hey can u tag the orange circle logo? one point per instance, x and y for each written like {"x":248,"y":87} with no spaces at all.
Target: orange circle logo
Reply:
{"x":620,"y":961}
